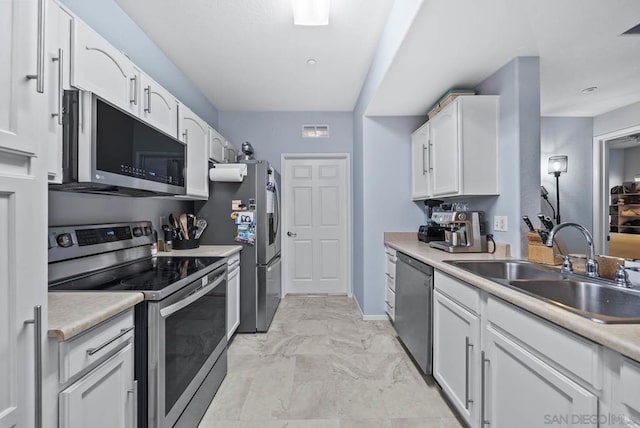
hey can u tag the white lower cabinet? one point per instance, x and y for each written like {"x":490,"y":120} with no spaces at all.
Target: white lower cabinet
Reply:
{"x":390,"y":283}
{"x":456,"y":355}
{"x":233,"y":294}
{"x":501,"y":366}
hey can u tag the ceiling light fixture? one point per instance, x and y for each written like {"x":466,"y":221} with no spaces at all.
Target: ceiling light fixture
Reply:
{"x":589,"y":90}
{"x":311,"y":12}
{"x":312,"y":61}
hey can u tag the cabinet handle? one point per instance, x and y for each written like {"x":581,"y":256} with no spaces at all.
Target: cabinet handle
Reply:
{"x":39,"y":76}
{"x":185,"y":135}
{"x":483,"y":397}
{"x":134,"y":411}
{"x":467,"y":346}
{"x":430,"y":167}
{"x":134,"y":89}
{"x":37,"y":346}
{"x":148,"y":107}
{"x":60,"y":61}
{"x":92,"y":351}
{"x":424,"y":150}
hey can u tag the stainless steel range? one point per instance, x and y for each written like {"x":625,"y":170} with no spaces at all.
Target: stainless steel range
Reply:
{"x":180,"y":334}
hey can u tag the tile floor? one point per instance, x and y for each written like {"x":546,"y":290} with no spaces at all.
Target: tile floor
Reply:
{"x":322,"y":366}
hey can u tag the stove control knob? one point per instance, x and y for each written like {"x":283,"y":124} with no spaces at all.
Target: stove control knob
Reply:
{"x":64,"y":240}
{"x":137,"y":231}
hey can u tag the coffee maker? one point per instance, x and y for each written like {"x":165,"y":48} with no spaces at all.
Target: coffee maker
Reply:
{"x":430,"y":231}
{"x":464,"y":231}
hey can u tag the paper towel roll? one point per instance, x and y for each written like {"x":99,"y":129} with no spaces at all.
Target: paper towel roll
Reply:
{"x":230,"y":172}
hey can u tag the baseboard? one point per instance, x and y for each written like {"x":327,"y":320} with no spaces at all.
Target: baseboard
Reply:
{"x":364,"y":317}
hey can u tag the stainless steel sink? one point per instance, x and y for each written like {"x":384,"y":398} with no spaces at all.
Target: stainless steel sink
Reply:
{"x":508,"y":270}
{"x":599,"y":300}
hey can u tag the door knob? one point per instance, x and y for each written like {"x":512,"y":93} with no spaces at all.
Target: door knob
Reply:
{"x":291,"y":234}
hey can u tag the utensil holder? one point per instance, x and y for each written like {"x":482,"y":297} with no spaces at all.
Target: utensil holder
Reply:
{"x":186,"y":244}
{"x":540,"y":253}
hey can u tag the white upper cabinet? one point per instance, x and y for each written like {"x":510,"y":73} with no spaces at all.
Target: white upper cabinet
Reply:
{"x":157,"y":106}
{"x":457,"y":154}
{"x":194,"y":132}
{"x":22,"y":54}
{"x":58,"y":61}
{"x":217,"y":145}
{"x":102,"y":69}
{"x":420,"y":161}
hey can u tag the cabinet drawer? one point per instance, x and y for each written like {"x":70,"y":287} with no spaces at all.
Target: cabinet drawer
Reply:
{"x":391,"y":253}
{"x":461,"y":293}
{"x":390,"y":297}
{"x":629,"y":381}
{"x":233,"y":261}
{"x":565,"y":350}
{"x":390,"y":311}
{"x":92,"y":346}
{"x":391,"y":282}
{"x":390,"y":268}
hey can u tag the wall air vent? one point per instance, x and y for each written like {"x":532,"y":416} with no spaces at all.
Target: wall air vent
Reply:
{"x":635,"y":31}
{"x":315,"y":131}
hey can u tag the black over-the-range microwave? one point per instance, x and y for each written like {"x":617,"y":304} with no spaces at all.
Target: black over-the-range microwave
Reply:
{"x":108,"y":150}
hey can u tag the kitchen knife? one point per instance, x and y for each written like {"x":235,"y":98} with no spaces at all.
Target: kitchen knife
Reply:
{"x":528,"y":223}
{"x":548,"y":222}
{"x":542,"y":221}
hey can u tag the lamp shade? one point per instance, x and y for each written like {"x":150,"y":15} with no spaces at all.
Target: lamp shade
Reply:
{"x":557,"y":164}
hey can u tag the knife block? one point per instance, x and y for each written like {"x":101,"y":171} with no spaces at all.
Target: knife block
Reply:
{"x":540,"y":253}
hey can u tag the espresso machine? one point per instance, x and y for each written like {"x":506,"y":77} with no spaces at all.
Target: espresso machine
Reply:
{"x":464,"y":231}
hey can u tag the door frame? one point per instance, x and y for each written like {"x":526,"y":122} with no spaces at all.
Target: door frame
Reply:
{"x":284,"y":157}
{"x":601,"y":185}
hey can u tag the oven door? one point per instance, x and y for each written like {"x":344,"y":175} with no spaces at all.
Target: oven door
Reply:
{"x":187,"y":334}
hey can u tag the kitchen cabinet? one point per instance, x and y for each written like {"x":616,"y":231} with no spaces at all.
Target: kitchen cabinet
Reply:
{"x":217,"y":145}
{"x":230,"y":153}
{"x":194,"y":132}
{"x":456,"y":346}
{"x":157,"y":106}
{"x":58,"y":60}
{"x":623,"y":393}
{"x":23,"y":199}
{"x":100,"y":68}
{"x":390,"y":282}
{"x":233,"y":294}
{"x":460,"y":156}
{"x":420,"y":161}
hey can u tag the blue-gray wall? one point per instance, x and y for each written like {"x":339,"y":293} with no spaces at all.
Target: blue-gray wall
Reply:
{"x":111,"y":22}
{"x":274,"y":133}
{"x":571,"y":136}
{"x":518,"y":84}
{"x":616,"y":120}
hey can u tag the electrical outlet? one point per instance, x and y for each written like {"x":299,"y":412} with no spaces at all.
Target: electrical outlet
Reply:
{"x":500,"y":223}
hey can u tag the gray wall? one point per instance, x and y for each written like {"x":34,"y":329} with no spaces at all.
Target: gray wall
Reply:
{"x":518,"y":84}
{"x":81,"y":208}
{"x":622,"y":118}
{"x":111,"y":22}
{"x":571,"y":136}
{"x":274,"y":133}
{"x":631,"y":163}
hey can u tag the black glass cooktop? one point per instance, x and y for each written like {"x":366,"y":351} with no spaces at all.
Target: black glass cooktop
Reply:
{"x":152,"y":274}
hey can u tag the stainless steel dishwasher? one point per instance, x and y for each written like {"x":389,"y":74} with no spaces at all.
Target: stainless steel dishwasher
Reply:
{"x":414,"y":309}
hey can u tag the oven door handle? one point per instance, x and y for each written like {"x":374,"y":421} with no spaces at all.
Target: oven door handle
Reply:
{"x":191,"y":297}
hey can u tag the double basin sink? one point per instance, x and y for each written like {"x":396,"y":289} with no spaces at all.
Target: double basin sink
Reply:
{"x":599,"y":300}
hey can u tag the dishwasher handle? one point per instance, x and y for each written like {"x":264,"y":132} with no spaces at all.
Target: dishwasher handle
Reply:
{"x":422,"y":267}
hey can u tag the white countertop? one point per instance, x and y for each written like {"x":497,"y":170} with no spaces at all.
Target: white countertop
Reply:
{"x":71,"y":313}
{"x":623,"y":338}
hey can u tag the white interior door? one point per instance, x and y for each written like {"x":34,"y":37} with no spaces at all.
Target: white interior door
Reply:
{"x":315,"y":204}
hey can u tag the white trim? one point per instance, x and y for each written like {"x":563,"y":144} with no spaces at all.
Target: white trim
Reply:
{"x":346,"y":156}
{"x":364,"y":317}
{"x":600,"y":185}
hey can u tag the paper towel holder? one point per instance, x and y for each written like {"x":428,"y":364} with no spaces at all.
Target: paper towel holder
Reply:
{"x":238,"y":177}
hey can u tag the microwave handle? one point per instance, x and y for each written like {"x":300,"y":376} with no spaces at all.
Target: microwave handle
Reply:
{"x":195,"y":295}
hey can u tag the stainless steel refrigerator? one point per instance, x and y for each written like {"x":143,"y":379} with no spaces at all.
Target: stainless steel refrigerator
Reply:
{"x":260,"y":267}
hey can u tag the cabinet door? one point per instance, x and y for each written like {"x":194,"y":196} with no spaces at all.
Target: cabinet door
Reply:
{"x":233,"y":301}
{"x":195,"y":134}
{"x":104,"y":398}
{"x":100,"y":68}
{"x":420,"y":162}
{"x":521,"y":390}
{"x":22,"y":54}
{"x":158,"y":107}
{"x":445,"y":150}
{"x":58,"y":59}
{"x":216,"y":146}
{"x":456,"y":349}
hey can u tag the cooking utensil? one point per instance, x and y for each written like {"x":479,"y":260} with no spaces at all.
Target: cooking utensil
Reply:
{"x":183,"y":225}
{"x":202,"y":225}
{"x":548,"y":222}
{"x":528,"y":223}
{"x":544,"y":223}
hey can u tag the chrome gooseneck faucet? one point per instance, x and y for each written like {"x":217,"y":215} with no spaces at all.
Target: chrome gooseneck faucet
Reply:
{"x":591,"y":265}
